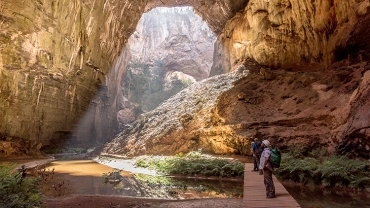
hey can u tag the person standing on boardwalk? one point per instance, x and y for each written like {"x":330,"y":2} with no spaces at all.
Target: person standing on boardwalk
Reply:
{"x":266,"y":166}
{"x":257,"y":150}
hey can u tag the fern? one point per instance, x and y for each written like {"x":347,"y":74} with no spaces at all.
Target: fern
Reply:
{"x":328,"y":171}
{"x":298,"y":170}
{"x":340,"y":170}
{"x":360,"y":182}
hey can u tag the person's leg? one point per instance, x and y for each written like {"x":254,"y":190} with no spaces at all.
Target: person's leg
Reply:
{"x":270,"y":188}
{"x":258,"y":162}
{"x":265,"y":180}
{"x":255,"y":163}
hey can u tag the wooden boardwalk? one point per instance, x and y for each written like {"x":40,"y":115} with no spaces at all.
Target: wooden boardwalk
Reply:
{"x":255,"y":193}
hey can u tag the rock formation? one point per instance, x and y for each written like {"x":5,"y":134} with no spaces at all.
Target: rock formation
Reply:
{"x":176,"y":37}
{"x":57,"y":55}
{"x":170,"y":49}
{"x":289,"y":33}
{"x":305,"y":110}
{"x":184,"y":122}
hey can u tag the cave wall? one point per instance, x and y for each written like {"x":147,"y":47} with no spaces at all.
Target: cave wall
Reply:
{"x":55,"y":58}
{"x":288,"y":33}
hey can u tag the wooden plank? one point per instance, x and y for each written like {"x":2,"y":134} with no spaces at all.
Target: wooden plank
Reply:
{"x":255,"y":193}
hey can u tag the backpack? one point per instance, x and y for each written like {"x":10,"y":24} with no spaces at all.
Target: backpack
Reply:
{"x":275,"y":157}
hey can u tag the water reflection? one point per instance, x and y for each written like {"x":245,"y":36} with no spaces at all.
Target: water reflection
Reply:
{"x":85,"y":177}
{"x":182,"y":188}
{"x":315,"y":197}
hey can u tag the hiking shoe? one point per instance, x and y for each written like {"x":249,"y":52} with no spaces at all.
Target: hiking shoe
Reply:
{"x":270,"y":197}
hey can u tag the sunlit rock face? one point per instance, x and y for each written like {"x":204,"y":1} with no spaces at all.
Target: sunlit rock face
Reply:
{"x":324,"y":111}
{"x":55,"y":55}
{"x":186,"y":121}
{"x":170,"y":49}
{"x":288,"y":33}
{"x":176,"y":37}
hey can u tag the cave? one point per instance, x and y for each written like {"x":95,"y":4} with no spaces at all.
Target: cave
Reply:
{"x":58,"y":61}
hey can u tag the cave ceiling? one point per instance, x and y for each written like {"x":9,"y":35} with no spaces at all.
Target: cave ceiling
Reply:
{"x":215,"y":12}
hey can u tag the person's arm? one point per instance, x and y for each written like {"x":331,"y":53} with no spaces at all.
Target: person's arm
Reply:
{"x":265,"y":163}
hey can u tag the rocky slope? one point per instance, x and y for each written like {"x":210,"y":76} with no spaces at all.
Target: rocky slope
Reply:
{"x":184,"y":122}
{"x":305,"y":110}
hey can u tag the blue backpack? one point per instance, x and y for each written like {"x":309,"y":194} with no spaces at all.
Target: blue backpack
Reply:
{"x":258,"y":148}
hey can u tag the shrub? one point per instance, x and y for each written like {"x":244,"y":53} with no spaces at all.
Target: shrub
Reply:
{"x":17,"y":190}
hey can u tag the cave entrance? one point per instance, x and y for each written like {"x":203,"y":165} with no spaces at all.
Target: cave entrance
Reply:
{"x":171,"y":48}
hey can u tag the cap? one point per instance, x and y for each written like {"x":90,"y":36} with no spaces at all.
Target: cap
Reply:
{"x":266,"y":142}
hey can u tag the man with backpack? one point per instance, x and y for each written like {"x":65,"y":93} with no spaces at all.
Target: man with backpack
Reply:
{"x":267,"y":167}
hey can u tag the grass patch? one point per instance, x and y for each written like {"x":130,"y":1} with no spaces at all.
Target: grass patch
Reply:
{"x":192,"y":164}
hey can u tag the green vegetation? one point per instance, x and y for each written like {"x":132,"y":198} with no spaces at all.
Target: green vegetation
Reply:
{"x":16,"y":190}
{"x":193,"y":164}
{"x":324,"y":170}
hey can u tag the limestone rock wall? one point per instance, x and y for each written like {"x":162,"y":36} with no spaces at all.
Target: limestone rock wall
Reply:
{"x":54,"y":56}
{"x":287,"y":33}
